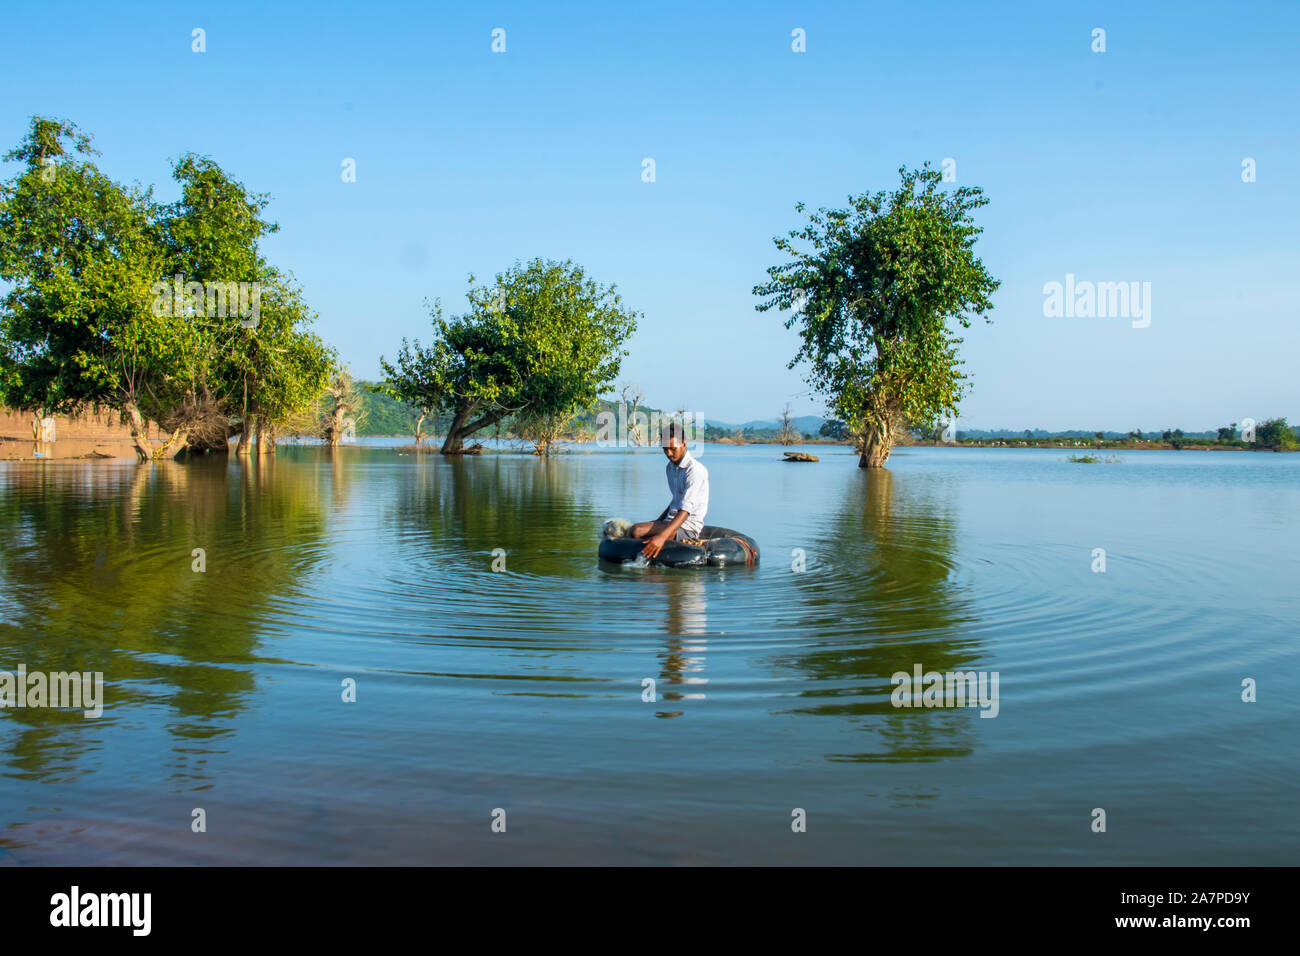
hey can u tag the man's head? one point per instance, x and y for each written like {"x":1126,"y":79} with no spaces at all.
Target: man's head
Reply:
{"x":671,"y":437}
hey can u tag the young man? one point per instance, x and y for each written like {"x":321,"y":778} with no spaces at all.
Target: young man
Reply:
{"x":688,"y":481}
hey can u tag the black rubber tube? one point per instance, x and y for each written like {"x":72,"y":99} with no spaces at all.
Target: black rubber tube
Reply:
{"x":717,"y":547}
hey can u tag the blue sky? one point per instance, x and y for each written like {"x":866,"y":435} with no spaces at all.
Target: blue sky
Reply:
{"x":1115,"y":166}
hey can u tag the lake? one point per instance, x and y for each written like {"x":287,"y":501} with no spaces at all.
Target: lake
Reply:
{"x":521,"y":690}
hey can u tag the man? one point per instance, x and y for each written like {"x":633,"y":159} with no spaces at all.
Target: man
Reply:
{"x":688,"y":481}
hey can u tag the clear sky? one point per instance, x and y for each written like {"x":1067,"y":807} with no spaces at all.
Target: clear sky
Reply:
{"x":1117,"y":166}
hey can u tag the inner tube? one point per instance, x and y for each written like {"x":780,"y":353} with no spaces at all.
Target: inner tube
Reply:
{"x":716,"y":547}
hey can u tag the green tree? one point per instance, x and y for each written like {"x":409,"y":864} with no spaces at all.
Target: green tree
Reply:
{"x":82,"y":255}
{"x":834,"y":429}
{"x":542,"y":430}
{"x":280,"y":368}
{"x":268,"y":368}
{"x":874,"y":296}
{"x":543,"y":341}
{"x":121,"y":302}
{"x":1275,"y":433}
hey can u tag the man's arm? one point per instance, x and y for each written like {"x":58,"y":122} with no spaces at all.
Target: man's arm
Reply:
{"x":656,"y":543}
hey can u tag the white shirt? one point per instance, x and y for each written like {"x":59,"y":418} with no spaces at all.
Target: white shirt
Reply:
{"x":689,"y":484}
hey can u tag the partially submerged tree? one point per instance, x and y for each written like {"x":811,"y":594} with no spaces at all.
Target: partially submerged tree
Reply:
{"x":787,"y":433}
{"x":543,"y":341}
{"x":632,"y":396}
{"x":82,"y":253}
{"x":874,"y":297}
{"x":120,"y":302}
{"x":543,"y":430}
{"x":341,"y":409}
{"x":281,"y":370}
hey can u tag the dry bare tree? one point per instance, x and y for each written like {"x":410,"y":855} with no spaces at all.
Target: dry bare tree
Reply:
{"x":787,"y":434}
{"x":632,"y":397}
{"x":341,"y":408}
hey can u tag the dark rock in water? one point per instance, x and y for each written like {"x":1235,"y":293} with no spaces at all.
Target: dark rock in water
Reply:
{"x":800,"y":456}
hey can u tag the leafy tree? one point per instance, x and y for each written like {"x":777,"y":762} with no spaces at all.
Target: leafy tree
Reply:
{"x":1228,"y":433}
{"x":281,"y":368}
{"x":834,"y":429}
{"x":875,"y":294}
{"x":94,"y":318}
{"x":81,"y":252}
{"x":1275,"y":433}
{"x":268,"y":369}
{"x":543,"y":430}
{"x":544,"y":341}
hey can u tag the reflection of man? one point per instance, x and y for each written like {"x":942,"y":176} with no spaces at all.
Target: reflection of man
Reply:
{"x":688,"y":481}
{"x":684,"y":655}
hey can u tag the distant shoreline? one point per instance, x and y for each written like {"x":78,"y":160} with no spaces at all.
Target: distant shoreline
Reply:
{"x":115,"y":448}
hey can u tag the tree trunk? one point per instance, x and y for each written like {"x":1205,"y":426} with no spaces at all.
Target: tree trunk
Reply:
{"x":419,"y":428}
{"x":265,"y":437}
{"x":242,"y":449}
{"x":456,"y":432}
{"x":139,"y":432}
{"x":477,"y":425}
{"x":877,"y":443}
{"x":336,"y":426}
{"x":173,"y":446}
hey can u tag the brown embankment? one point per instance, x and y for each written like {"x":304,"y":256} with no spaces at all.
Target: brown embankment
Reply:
{"x":89,"y":435}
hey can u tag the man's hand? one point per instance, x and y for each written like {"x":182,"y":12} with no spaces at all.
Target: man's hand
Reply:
{"x":654,"y":545}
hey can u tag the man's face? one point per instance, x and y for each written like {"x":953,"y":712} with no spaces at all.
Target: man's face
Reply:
{"x":675,"y":449}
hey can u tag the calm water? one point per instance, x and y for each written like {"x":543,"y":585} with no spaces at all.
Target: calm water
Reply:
{"x":521,"y":689}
